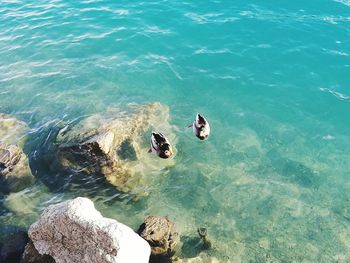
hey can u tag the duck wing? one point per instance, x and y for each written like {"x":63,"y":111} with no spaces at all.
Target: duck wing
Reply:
{"x":200,"y":120}
{"x":159,"y":138}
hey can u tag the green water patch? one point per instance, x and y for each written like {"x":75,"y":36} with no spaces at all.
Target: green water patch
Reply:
{"x":293,"y":171}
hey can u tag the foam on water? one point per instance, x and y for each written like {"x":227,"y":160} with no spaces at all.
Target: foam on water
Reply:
{"x":271,"y":183}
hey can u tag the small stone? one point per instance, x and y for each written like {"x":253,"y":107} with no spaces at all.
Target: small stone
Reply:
{"x":264,"y":243}
{"x":160,"y":233}
{"x":202,"y":232}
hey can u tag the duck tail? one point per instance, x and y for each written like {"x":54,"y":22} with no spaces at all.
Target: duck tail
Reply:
{"x":200,"y":119}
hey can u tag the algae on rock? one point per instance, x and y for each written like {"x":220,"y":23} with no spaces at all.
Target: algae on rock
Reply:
{"x":15,"y":173}
{"x":11,"y":129}
{"x":114,"y":144}
{"x":160,"y":233}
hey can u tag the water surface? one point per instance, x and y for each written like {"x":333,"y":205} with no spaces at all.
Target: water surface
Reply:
{"x":272,"y":78}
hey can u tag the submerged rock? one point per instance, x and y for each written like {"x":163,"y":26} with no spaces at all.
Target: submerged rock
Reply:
{"x":11,"y":129}
{"x":203,"y":234}
{"x":113,"y":144}
{"x":160,"y":233}
{"x":74,"y":231}
{"x":15,"y":173}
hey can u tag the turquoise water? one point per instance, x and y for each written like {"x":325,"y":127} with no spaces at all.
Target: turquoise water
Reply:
{"x":271,"y":183}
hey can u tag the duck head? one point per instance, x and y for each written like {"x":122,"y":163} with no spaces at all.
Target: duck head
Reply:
{"x":165,"y":151}
{"x":203,"y":133}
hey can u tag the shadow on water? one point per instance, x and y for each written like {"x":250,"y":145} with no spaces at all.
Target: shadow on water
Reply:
{"x":191,"y":190}
{"x":192,"y":246}
{"x":3,"y":209}
{"x":266,"y":206}
{"x":160,"y":259}
{"x":127,"y":151}
{"x":12,"y":242}
{"x":294,"y":171}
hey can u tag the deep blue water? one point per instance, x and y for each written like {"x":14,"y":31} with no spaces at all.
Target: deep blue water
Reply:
{"x":272,"y":78}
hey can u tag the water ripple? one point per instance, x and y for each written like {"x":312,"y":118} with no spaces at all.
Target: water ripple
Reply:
{"x":119,"y":12}
{"x":288,"y":17}
{"x":210,"y":18}
{"x":159,"y":59}
{"x":157,"y":30}
{"x":338,"y":95}
{"x":250,"y":67}
{"x":344,"y":2}
{"x":204,"y":50}
{"x":335,"y":52}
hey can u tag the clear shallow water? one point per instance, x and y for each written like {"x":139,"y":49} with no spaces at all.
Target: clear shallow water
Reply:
{"x":272,"y":78}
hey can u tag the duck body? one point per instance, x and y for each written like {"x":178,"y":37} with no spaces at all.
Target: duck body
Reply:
{"x":201,"y":127}
{"x":160,"y":145}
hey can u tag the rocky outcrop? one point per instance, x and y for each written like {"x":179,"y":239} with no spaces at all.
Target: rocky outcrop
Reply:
{"x":74,"y":231}
{"x":15,"y":173}
{"x":113,"y":144}
{"x":160,"y":233}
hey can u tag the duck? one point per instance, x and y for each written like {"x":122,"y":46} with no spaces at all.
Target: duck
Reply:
{"x":160,"y":145}
{"x":201,"y":127}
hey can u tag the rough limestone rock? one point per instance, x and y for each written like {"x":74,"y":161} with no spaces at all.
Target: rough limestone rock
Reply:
{"x":31,"y":255}
{"x":74,"y":231}
{"x":15,"y":173}
{"x":160,"y":233}
{"x":114,"y":144}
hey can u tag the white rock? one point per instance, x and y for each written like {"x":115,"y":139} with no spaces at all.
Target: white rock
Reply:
{"x":74,"y":231}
